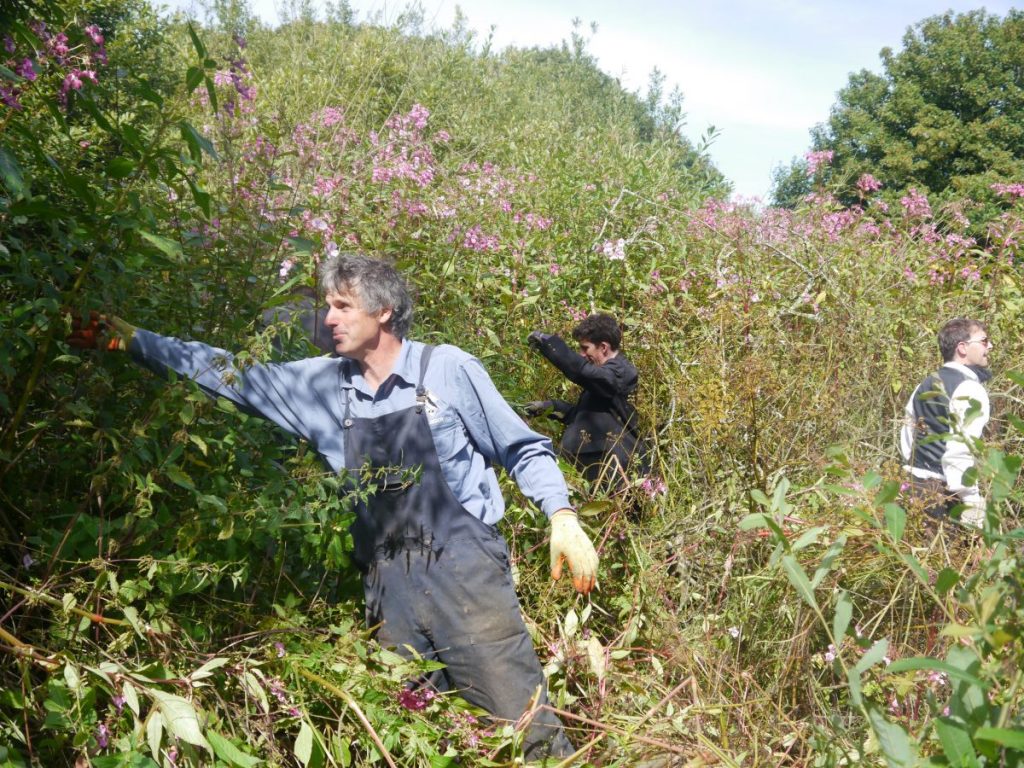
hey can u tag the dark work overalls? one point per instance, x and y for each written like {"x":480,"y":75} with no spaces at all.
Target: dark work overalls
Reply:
{"x":438,"y":579}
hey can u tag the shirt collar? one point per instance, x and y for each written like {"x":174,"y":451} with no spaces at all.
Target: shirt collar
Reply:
{"x":406,"y":369}
{"x":974,"y":372}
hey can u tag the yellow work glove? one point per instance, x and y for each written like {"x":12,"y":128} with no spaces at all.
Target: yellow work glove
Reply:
{"x":569,"y":542}
{"x":98,"y":331}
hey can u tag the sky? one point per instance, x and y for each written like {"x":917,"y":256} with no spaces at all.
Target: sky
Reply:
{"x":762,"y":72}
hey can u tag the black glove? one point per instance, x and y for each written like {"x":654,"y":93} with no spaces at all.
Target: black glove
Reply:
{"x":537,"y":338}
{"x":537,"y":407}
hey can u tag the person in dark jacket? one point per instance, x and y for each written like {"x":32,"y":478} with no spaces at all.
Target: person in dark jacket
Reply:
{"x":601,"y":432}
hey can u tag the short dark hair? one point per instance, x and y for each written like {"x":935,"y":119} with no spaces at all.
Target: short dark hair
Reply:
{"x":597,"y":328}
{"x":377,"y":284}
{"x":953,"y":332}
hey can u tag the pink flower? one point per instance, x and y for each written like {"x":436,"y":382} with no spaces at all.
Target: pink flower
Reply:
{"x":1013,"y":191}
{"x":916,"y":205}
{"x":279,"y":647}
{"x":554,"y":269}
{"x":118,"y":702}
{"x":25,"y":70}
{"x":102,"y":736}
{"x":816,"y":160}
{"x":9,"y":44}
{"x":94,"y":34}
{"x":415,"y":699}
{"x":653,"y":486}
{"x":868,"y":183}
{"x":615,"y":250}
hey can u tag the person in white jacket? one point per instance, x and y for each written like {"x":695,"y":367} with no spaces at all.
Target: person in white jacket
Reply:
{"x":943,"y":419}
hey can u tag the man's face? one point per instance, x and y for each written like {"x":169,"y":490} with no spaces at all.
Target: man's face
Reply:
{"x":597,"y":354}
{"x":976,"y":349}
{"x":355,"y":331}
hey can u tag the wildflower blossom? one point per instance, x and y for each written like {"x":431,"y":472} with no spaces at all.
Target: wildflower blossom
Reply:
{"x":868,"y":183}
{"x":816,"y":160}
{"x":27,"y":560}
{"x":653,"y":486}
{"x":915,"y":204}
{"x":279,"y":647}
{"x":102,"y":736}
{"x":1012,"y":191}
{"x":94,"y":34}
{"x":415,"y":699}
{"x":118,"y":702}
{"x":24,"y":69}
{"x":615,"y":250}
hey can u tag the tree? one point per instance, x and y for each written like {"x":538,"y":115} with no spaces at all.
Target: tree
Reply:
{"x":945,"y":116}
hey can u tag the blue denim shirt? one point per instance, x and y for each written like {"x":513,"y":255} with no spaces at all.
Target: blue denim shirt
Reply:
{"x":472,"y":425}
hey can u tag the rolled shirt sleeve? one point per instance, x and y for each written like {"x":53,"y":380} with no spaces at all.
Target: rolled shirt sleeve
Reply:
{"x":505,"y":439}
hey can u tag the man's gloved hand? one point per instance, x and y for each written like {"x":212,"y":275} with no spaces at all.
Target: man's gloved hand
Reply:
{"x":536,"y":338}
{"x":569,"y":542}
{"x":100,"y":332}
{"x":537,"y":407}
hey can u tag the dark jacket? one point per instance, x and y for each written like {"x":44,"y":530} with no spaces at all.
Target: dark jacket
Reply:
{"x":603,"y":421}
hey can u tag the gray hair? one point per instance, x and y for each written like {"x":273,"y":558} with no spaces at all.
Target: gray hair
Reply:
{"x":377,"y":284}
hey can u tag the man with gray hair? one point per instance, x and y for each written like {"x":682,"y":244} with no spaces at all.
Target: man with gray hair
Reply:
{"x":416,"y":431}
{"x":943,"y":418}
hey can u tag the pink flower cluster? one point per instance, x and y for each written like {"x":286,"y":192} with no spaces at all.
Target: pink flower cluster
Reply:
{"x":614,"y":250}
{"x":1012,"y":191}
{"x":916,"y":205}
{"x":868,"y":184}
{"x":57,"y":55}
{"x":818,"y":159}
{"x":405,"y":154}
{"x":415,"y":699}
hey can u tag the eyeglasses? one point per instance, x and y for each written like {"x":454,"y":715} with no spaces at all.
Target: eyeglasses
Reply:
{"x":983,"y":340}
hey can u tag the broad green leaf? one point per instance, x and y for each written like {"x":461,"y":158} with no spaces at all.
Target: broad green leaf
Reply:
{"x":893,"y":740}
{"x":304,"y":743}
{"x":826,"y":562}
{"x":123,"y":760}
{"x":120,"y":168}
{"x":180,"y":717}
{"x":194,"y":77}
{"x":895,"y":520}
{"x":229,"y":753}
{"x":956,"y":743}
{"x":131,"y":698}
{"x":758,"y":495}
{"x":1012,"y":739}
{"x":872,"y":656}
{"x":797,"y":577}
{"x":756,"y":520}
{"x":946,"y":580}
{"x":808,"y":537}
{"x":8,"y":74}
{"x":154,"y":731}
{"x":170,"y":247}
{"x":191,"y":135}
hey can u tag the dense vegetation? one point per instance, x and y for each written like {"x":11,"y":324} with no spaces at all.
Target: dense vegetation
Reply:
{"x":944,"y":117}
{"x":177,"y":581}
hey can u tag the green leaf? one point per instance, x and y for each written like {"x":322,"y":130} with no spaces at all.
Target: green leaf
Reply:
{"x":154,"y":731}
{"x":10,"y":172}
{"x":211,"y":91}
{"x":194,"y":77}
{"x":180,"y":717}
{"x":946,"y":580}
{"x":170,"y":247}
{"x":826,"y":562}
{"x":808,"y":537}
{"x":229,"y":753}
{"x":302,"y":246}
{"x":196,"y":42}
{"x":304,"y":743}
{"x":893,"y":740}
{"x":193,"y":137}
{"x":758,"y":495}
{"x":956,"y":743}
{"x":799,"y":580}
{"x":120,"y":168}
{"x":895,"y":520}
{"x":1012,"y":739}
{"x":178,"y":477}
{"x":756,"y":520}
{"x":7,"y":74}
{"x":926,"y":662}
{"x":872,"y":656}
{"x":844,"y":614}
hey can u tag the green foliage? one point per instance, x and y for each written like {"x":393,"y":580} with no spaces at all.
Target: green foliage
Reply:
{"x":944,"y":116}
{"x":180,"y":583}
